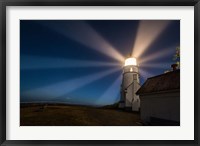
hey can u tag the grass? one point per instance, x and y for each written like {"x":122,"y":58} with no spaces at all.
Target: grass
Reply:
{"x":73,"y":115}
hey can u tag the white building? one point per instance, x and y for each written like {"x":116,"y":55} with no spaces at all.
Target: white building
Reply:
{"x":130,"y":85}
{"x":160,"y":99}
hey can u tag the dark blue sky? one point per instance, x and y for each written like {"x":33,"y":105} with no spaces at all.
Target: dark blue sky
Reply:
{"x":62,"y":60}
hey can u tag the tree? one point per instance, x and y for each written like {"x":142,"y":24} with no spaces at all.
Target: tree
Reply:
{"x":177,"y":57}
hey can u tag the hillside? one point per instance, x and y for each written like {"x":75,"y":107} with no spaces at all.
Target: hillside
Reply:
{"x":73,"y":115}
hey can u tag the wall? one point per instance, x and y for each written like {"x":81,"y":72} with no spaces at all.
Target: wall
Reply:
{"x":164,"y":106}
{"x":130,"y":83}
{"x":136,"y":99}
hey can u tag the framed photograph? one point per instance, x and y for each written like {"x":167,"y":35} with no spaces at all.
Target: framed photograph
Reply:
{"x":99,"y":72}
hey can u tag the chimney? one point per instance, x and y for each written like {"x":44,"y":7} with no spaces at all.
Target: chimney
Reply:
{"x":174,"y":67}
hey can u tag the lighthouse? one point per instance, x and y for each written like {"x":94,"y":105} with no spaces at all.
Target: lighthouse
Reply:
{"x":130,"y":85}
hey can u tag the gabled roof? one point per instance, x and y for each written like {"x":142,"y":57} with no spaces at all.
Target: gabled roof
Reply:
{"x":165,"y":82}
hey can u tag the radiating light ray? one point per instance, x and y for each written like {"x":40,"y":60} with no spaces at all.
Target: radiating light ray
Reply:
{"x":163,"y":65}
{"x":147,"y":33}
{"x":157,"y":55}
{"x":86,"y":35}
{"x":61,"y":88}
{"x":145,"y":74}
{"x":39,"y":62}
{"x":110,"y":95}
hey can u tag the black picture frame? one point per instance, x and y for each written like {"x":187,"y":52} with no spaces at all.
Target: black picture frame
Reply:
{"x":5,"y":3}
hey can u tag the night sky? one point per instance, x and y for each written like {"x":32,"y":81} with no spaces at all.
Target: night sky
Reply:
{"x":69,"y":60}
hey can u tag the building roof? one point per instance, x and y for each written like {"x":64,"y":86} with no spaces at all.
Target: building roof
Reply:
{"x":165,"y":82}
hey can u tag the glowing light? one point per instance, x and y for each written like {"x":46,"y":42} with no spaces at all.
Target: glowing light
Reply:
{"x":131,"y":69}
{"x":83,"y":33}
{"x":110,"y":95}
{"x":147,"y":33}
{"x":64,"y":87}
{"x":31,"y":62}
{"x":156,"y":55}
{"x":130,"y":61}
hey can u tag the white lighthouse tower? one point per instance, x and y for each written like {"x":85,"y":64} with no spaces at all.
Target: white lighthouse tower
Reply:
{"x":130,"y":85}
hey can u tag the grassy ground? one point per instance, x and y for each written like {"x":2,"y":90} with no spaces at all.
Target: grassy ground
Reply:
{"x":67,"y":115}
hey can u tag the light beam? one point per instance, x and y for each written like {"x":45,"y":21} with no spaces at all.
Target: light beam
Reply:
{"x":62,"y":88}
{"x":110,"y":95}
{"x":159,"y":54}
{"x":147,"y":33}
{"x":83,"y":33}
{"x":164,"y":65}
{"x":29,"y":62}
